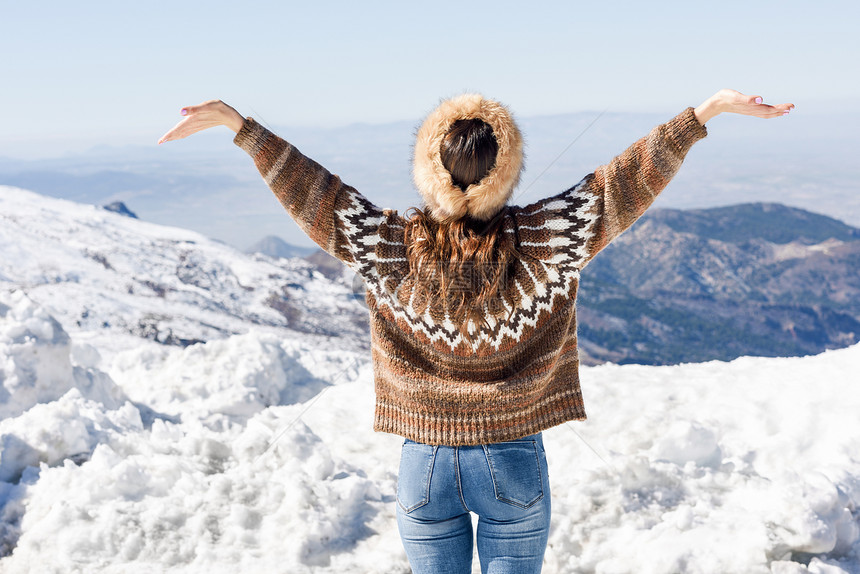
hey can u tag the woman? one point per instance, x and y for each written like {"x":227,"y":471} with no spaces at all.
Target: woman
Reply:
{"x":472,"y":308}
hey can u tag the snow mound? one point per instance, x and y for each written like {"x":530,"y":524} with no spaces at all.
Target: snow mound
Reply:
{"x":231,"y":379}
{"x":85,"y":484}
{"x":718,"y":467}
{"x":38,"y":360}
{"x":186,"y":499}
{"x":688,"y":441}
{"x":68,"y":428}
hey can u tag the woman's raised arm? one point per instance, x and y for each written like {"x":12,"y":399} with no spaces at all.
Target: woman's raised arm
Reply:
{"x":334,"y":215}
{"x":572,"y":227}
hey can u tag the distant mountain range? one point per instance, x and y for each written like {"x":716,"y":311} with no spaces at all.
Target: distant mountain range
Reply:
{"x":274,"y":246}
{"x":753,"y":279}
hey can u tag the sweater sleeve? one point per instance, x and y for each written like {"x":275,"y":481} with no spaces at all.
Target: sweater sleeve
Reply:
{"x":572,"y":227}
{"x":334,"y":215}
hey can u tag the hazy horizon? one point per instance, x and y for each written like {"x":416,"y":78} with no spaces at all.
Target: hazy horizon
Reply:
{"x":102,"y":71}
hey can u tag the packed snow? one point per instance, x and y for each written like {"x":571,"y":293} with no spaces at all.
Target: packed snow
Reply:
{"x":253,"y":450}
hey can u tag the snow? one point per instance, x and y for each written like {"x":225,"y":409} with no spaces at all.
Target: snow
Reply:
{"x":253,"y":451}
{"x":114,"y":280}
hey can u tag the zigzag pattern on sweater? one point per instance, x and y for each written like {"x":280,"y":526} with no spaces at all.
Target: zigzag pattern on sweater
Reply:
{"x":557,"y":230}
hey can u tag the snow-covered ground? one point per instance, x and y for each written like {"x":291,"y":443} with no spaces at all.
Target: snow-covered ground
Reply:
{"x":253,"y":451}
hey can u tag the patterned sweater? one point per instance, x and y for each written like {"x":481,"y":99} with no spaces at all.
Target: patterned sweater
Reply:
{"x":520,"y":374}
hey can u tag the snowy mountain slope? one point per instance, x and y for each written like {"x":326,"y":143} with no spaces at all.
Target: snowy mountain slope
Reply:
{"x":253,"y":452}
{"x":112,"y":276}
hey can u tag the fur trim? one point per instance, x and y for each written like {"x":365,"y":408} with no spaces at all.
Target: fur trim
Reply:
{"x":484,"y":199}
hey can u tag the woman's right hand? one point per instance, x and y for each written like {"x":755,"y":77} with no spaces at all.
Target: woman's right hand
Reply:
{"x":204,"y":116}
{"x":734,"y":102}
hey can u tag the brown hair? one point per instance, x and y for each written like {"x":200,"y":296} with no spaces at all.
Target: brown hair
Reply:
{"x":469,"y":151}
{"x":461,"y":267}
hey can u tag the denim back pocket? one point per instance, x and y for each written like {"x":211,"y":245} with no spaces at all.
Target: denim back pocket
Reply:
{"x":516,"y":472}
{"x":413,"y":480}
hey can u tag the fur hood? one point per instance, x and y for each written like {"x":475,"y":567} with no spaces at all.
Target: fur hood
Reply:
{"x":484,"y":199}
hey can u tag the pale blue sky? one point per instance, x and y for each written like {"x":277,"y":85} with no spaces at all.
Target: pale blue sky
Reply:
{"x":77,"y":73}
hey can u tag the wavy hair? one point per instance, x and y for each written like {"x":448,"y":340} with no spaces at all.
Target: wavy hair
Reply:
{"x":460,"y":267}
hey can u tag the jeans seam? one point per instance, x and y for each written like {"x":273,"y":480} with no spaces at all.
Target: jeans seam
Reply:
{"x":459,"y":481}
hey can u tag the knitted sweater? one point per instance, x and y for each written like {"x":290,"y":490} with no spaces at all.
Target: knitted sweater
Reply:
{"x":520,"y":375}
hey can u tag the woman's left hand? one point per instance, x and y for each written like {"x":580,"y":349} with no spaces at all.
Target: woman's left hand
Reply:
{"x":204,"y":116}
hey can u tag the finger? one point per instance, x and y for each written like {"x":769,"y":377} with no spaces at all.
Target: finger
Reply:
{"x":776,"y":111}
{"x":781,"y":109}
{"x":176,"y":132}
{"x":208,"y":105}
{"x":168,"y":136}
{"x":770,"y":112}
{"x":191,"y":110}
{"x":773,"y":109}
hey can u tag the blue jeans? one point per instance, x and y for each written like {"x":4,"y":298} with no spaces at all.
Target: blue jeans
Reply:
{"x":505,"y":484}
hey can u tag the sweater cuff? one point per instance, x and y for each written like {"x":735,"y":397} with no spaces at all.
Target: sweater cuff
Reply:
{"x":685,"y":129}
{"x":251,"y":137}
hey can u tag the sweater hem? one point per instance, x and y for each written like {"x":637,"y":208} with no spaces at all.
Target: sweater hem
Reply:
{"x":475,"y":428}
